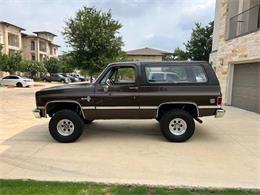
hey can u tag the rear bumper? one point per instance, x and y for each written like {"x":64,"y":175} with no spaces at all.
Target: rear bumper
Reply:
{"x":37,"y":113}
{"x":220,"y":113}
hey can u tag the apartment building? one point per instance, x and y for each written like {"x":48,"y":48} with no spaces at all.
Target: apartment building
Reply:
{"x":147,"y":54}
{"x":34,"y":47}
{"x":236,"y":52}
{"x":39,"y":46}
{"x":10,"y":37}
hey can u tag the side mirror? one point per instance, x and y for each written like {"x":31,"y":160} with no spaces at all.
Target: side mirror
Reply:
{"x":108,"y":84}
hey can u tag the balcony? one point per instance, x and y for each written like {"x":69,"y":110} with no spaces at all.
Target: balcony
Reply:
{"x":43,"y":46}
{"x":245,"y":22}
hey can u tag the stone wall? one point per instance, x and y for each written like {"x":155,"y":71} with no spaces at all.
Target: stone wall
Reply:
{"x":243,"y":49}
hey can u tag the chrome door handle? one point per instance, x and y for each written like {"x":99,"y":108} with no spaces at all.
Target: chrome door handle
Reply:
{"x":134,"y":88}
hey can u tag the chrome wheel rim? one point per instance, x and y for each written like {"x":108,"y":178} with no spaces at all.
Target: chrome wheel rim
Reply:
{"x":65,"y":127}
{"x":177,"y":126}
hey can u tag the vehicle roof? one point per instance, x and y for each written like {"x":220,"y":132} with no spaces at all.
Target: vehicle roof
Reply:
{"x":140,"y":63}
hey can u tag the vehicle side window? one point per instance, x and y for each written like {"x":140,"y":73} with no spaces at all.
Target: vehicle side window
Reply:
{"x":175,"y":74}
{"x":13,"y":77}
{"x":7,"y":77}
{"x":120,"y":75}
{"x":123,"y":75}
{"x":199,"y":74}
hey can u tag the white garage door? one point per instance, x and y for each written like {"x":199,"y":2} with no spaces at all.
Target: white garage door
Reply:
{"x":246,"y":87}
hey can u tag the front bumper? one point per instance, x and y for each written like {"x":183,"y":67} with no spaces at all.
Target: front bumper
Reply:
{"x":220,"y":113}
{"x":37,"y":113}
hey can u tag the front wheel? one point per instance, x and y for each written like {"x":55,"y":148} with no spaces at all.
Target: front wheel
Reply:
{"x":177,"y":125}
{"x":66,"y":126}
{"x":19,"y":84}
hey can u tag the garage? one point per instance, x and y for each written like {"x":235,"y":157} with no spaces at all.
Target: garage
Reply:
{"x":246,"y":87}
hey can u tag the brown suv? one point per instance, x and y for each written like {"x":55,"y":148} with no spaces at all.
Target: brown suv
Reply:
{"x":173,"y":93}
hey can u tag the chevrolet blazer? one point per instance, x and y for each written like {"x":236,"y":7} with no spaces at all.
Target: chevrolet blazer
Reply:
{"x":174,"y":93}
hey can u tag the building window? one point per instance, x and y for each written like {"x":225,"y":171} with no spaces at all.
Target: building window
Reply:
{"x":54,"y":51}
{"x":32,"y":45}
{"x":43,"y":46}
{"x":33,"y":57}
{"x":245,"y":22}
{"x":13,"y":40}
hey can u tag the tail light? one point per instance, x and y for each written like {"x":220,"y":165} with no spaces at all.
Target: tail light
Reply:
{"x":219,"y":101}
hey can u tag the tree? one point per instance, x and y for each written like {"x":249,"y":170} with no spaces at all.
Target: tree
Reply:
{"x":35,"y":67}
{"x":66,"y":63}
{"x":52,"y":65}
{"x":93,"y":36}
{"x":179,"y":54}
{"x":200,"y":44}
{"x":11,"y":63}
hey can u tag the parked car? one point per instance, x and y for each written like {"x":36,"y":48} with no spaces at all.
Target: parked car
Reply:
{"x":17,"y":81}
{"x":71,"y":78}
{"x":56,"y":77}
{"x":79,"y":77}
{"x":135,"y":91}
{"x":163,"y":77}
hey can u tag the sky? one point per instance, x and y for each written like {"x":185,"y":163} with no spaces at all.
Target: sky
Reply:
{"x":159,"y":24}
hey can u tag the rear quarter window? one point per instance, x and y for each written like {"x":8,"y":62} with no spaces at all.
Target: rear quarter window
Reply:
{"x":175,"y":74}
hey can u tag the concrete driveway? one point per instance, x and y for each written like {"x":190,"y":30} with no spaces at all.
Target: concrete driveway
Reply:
{"x":222,"y":153}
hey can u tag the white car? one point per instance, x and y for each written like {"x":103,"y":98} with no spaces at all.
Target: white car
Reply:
{"x":17,"y":81}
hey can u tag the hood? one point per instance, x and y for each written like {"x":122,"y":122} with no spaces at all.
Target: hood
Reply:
{"x":67,"y":88}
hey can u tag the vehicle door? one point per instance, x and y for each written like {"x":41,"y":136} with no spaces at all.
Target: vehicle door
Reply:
{"x":6,"y":80}
{"x":12,"y":80}
{"x":55,"y":77}
{"x":116,"y":93}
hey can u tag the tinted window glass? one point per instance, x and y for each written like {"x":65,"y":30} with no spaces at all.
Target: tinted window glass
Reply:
{"x":123,"y":75}
{"x":175,"y":74}
{"x":13,"y":77}
{"x":120,"y":75}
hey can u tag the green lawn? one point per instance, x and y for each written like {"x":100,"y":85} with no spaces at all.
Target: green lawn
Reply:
{"x":28,"y":187}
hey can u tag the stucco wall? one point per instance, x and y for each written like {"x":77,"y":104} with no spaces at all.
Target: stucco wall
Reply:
{"x":229,"y":52}
{"x":145,"y":58}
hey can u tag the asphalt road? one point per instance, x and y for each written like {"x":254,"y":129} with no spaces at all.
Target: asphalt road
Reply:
{"x":223,"y":152}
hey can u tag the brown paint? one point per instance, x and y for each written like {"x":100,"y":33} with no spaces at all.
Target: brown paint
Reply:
{"x":135,"y":94}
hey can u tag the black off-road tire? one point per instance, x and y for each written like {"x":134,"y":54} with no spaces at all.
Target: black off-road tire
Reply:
{"x":168,"y":119}
{"x":19,"y":84}
{"x":66,"y":115}
{"x":86,"y":121}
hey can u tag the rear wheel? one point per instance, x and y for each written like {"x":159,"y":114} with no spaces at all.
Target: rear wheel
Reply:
{"x":66,"y":126}
{"x":177,"y":125}
{"x":19,"y":84}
